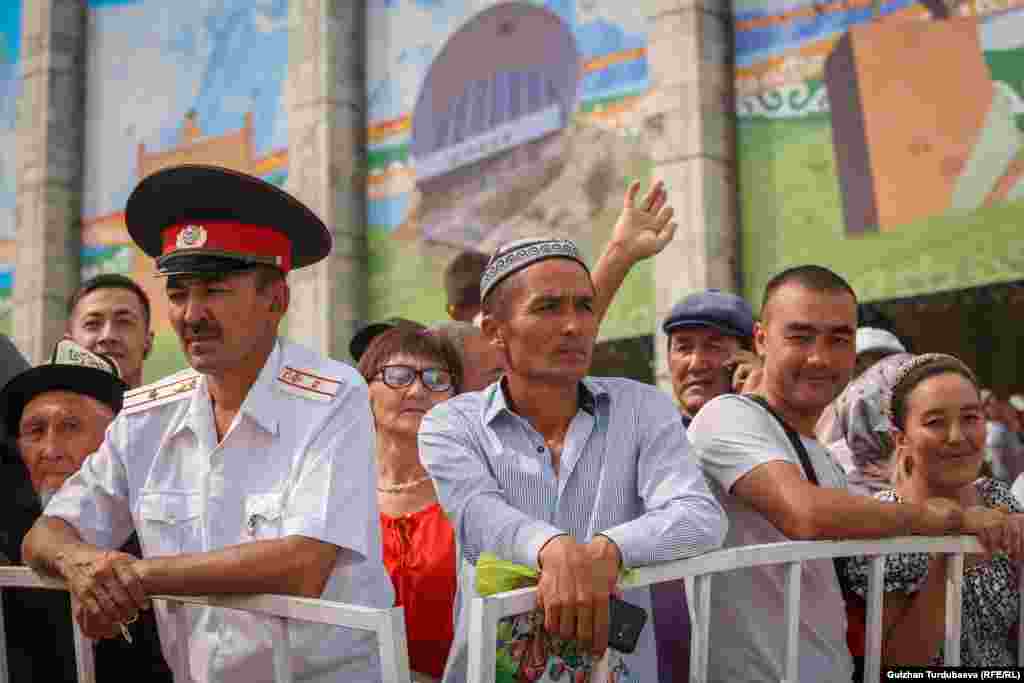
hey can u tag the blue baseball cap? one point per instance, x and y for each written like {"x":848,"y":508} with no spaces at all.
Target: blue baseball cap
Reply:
{"x":723,"y":311}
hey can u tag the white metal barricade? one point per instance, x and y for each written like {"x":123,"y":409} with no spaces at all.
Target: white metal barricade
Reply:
{"x":388,"y":624}
{"x":487,"y":611}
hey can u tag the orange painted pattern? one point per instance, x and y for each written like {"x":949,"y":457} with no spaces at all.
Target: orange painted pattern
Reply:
{"x":819,"y":49}
{"x":823,"y":48}
{"x":378,"y":132}
{"x":108,"y":229}
{"x":605,"y":61}
{"x":274,"y":161}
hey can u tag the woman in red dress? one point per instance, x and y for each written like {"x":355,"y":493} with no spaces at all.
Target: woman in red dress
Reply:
{"x":409,"y":371}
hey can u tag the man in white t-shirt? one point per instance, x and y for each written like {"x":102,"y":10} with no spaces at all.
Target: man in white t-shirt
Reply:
{"x":806,"y":341}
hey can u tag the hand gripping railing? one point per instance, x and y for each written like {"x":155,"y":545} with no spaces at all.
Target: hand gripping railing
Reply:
{"x":388,"y":624}
{"x":486,"y":612}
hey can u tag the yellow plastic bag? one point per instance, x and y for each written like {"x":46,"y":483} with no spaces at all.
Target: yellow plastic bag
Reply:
{"x":494,"y":575}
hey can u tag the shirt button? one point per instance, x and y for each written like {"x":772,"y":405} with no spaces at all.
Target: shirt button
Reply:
{"x":540,"y":449}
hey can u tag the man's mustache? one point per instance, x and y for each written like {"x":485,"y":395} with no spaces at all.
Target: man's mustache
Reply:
{"x":200,"y":328}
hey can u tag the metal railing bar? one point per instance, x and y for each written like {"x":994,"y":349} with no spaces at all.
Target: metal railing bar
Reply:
{"x":180,"y":615}
{"x":702,"y":568}
{"x":394,"y":649}
{"x":300,"y":609}
{"x":24,"y":577}
{"x":85,"y":657}
{"x":794,"y":572}
{"x":281,"y":650}
{"x":701,"y":629}
{"x":796,"y":551}
{"x":873,"y":619}
{"x":954,"y":596}
{"x":484,"y":614}
{"x":387,"y":623}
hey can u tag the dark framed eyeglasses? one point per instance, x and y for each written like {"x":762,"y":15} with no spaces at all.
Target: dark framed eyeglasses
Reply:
{"x":401,"y":376}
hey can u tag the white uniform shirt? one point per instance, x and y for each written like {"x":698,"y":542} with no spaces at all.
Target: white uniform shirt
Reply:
{"x":731,"y":436}
{"x":299,"y":459}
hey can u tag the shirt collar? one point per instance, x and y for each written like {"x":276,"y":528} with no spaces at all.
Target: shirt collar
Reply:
{"x":258,"y":403}
{"x":497,"y":401}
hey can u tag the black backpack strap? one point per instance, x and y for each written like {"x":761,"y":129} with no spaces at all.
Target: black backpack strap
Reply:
{"x":805,"y":460}
{"x":794,"y":438}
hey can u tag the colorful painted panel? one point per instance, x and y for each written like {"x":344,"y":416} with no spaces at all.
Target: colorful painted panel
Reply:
{"x":170,"y":83}
{"x":10,"y":87}
{"x":494,"y":120}
{"x":884,"y":139}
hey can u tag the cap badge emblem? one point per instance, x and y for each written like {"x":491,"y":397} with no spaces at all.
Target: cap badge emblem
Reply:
{"x":191,"y":237}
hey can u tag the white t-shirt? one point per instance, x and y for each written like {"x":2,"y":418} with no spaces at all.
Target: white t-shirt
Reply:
{"x":731,"y":436}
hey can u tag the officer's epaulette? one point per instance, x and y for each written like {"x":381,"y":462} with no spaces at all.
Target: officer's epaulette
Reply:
{"x":307,"y":384}
{"x":173,"y":388}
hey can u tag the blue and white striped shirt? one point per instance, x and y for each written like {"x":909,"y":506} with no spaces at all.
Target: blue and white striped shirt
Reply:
{"x":625,"y":473}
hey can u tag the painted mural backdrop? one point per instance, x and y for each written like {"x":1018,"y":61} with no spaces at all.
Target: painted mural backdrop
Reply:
{"x":493,"y":120}
{"x":171,"y":83}
{"x":10,"y":86}
{"x":884,"y":139}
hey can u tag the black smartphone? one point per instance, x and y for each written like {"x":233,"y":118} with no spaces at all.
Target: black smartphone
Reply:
{"x":626,"y":621}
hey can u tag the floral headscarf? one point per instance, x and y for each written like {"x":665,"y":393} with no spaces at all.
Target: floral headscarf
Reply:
{"x":855,"y":426}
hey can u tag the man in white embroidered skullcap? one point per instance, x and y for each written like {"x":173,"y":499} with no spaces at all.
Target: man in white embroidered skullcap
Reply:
{"x":550,"y":467}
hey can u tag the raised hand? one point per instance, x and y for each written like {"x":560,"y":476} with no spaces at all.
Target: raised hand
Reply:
{"x":644,"y":228}
{"x":747,"y":371}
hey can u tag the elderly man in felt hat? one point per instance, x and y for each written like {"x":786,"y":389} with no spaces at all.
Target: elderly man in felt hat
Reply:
{"x":550,"y":468}
{"x":58,"y":412}
{"x":251,"y":472}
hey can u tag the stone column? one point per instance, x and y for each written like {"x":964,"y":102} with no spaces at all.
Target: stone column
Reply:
{"x":691,"y":130}
{"x":326,"y":166}
{"x":51,"y":114}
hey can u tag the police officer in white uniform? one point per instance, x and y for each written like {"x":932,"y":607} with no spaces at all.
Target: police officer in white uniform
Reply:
{"x":251,"y":472}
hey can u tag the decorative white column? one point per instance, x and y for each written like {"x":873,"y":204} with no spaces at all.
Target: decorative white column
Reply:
{"x":49,"y":164}
{"x":692,"y":135}
{"x":326,"y":165}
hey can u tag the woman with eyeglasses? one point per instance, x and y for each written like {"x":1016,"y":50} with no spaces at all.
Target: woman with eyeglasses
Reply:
{"x":409,"y":371}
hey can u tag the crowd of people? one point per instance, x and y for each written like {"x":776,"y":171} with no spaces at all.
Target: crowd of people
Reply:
{"x":461,"y":448}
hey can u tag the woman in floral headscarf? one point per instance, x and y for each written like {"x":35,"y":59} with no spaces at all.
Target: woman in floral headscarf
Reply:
{"x":855,"y":429}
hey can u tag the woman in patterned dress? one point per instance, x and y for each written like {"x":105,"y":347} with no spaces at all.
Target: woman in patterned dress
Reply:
{"x":938,"y":428}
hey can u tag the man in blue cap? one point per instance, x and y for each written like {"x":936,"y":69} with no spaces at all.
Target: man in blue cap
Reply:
{"x":706,"y":332}
{"x":253,"y":471}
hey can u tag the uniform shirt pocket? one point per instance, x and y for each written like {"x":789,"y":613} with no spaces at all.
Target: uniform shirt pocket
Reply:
{"x":263,"y":512}
{"x":170,"y":522}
